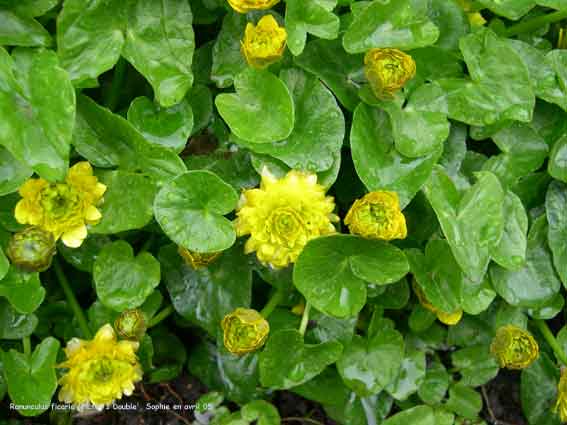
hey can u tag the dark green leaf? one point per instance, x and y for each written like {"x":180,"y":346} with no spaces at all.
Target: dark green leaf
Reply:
{"x":555,"y":204}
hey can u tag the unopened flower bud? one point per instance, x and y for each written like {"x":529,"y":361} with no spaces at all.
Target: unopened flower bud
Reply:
{"x":31,"y":249}
{"x":245,"y":330}
{"x":197,"y":260}
{"x":387,"y":70}
{"x":131,"y":324}
{"x":514,"y":347}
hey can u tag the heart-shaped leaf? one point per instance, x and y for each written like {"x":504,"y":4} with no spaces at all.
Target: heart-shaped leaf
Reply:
{"x":367,"y":366}
{"x":261,"y":110}
{"x":168,"y":127}
{"x":23,"y":290}
{"x":287,"y":361}
{"x":332,"y":272}
{"x":123,"y":281}
{"x":31,"y":379}
{"x":190,"y":209}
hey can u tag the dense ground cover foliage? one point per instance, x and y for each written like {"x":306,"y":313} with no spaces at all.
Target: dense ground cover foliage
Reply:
{"x":363,"y":203}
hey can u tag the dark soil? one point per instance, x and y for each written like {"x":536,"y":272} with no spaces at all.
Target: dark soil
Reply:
{"x":502,"y":404}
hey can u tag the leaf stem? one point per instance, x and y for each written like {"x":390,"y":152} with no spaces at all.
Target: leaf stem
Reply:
{"x":546,"y":332}
{"x":272,"y":303}
{"x":72,"y":300}
{"x":26,"y":342}
{"x":304,"y":318}
{"x":113,"y":95}
{"x":535,"y":23}
{"x":162,"y":315}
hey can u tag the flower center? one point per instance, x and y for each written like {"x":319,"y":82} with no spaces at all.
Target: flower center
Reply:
{"x":58,"y":200}
{"x":102,"y":370}
{"x":285,"y":225}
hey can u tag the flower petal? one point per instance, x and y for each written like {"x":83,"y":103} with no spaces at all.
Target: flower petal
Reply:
{"x":75,"y":237}
{"x":92,"y":214}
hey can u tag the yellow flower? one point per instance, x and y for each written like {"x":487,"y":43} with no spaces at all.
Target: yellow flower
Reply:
{"x":377,"y":215}
{"x":197,"y":260}
{"x":283,"y":215}
{"x":561,"y":404}
{"x":475,"y":18}
{"x":244,"y":6}
{"x":450,"y":319}
{"x":245,"y":330}
{"x":263,"y":44}
{"x":514,"y":347}
{"x":99,"y":371}
{"x":64,"y":209}
{"x":387,"y":70}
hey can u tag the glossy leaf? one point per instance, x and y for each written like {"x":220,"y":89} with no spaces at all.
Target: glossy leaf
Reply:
{"x":17,"y":29}
{"x":555,"y":203}
{"x":14,"y":325}
{"x":557,"y":166}
{"x":228,"y":62}
{"x":539,"y":391}
{"x":419,"y":415}
{"x":12,"y":172}
{"x":23,"y":290}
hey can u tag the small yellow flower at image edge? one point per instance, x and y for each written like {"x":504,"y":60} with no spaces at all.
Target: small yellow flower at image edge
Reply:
{"x":282,"y":215}
{"x":514,"y":347}
{"x":377,"y":215}
{"x":99,"y":371}
{"x":388,"y":70}
{"x":63,"y":209}
{"x":244,"y":331}
{"x":245,"y":6}
{"x":561,"y":403}
{"x":264,"y":43}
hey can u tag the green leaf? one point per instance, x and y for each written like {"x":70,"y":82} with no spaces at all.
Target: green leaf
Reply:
{"x":190,"y":209}
{"x":108,"y":140}
{"x":127,"y":202}
{"x":534,"y":284}
{"x":228,"y":61}
{"x":262,"y":412}
{"x":90,"y":36}
{"x":287,"y":362}
{"x":539,"y":391}
{"x":557,"y":165}
{"x":464,"y":401}
{"x":410,"y":377}
{"x":476,"y":365}
{"x":402,"y":24}
{"x":160,"y":43}
{"x":378,"y":164}
{"x":4,"y":264}
{"x":452,"y":22}
{"x":32,"y":380}
{"x":83,"y":257}
{"x":332,"y":272}
{"x":473,"y":224}
{"x":204,"y":296}
{"x":511,"y":251}
{"x":419,"y":415}
{"x":511,"y":9}
{"x":335,"y":67}
{"x":167,"y":127}
{"x":37,"y":104}
{"x":434,"y":387}
{"x":122,"y":280}
{"x":314,"y":17}
{"x":555,"y":204}
{"x":319,"y":127}
{"x":477,"y":296}
{"x":367,"y":366}
{"x":325,"y":328}
{"x":31,"y":8}
{"x":17,"y":29}
{"x":23,"y":290}
{"x":499,"y":88}
{"x":261,"y":110}
{"x":13,"y":173}
{"x":14,"y":325}
{"x":201,"y":102}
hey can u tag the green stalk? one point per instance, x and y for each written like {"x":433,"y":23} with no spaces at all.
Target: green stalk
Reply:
{"x":72,"y":300}
{"x":546,"y":332}
{"x":535,"y":23}
{"x":304,"y":319}
{"x":272,"y":303}
{"x":26,"y":342}
{"x":162,"y":315}
{"x":113,"y":95}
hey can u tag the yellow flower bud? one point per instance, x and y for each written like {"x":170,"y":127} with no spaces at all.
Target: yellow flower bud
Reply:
{"x":245,"y":330}
{"x":449,"y":319}
{"x":197,"y":260}
{"x":387,"y":70}
{"x":99,"y":371}
{"x":244,"y":6}
{"x":283,"y":215}
{"x":561,"y":403}
{"x":377,"y":215}
{"x":31,"y":249}
{"x":514,"y":347}
{"x":64,"y":209}
{"x":475,"y":18}
{"x":131,"y":324}
{"x":263,"y":44}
